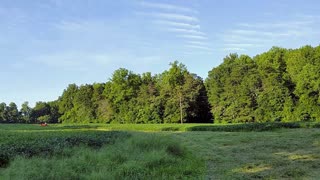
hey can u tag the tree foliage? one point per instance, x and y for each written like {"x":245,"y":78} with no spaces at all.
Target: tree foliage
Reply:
{"x":279,"y":85}
{"x":133,"y":98}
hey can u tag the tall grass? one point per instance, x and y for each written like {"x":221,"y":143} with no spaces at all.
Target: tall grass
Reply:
{"x":142,"y":156}
{"x":30,"y":144}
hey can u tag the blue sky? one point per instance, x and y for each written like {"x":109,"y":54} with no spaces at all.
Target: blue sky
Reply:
{"x":47,"y":44}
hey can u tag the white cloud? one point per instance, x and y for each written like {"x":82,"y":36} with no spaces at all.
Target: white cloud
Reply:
{"x":71,"y":25}
{"x":168,"y":7}
{"x":198,"y":37}
{"x":275,"y":25}
{"x":197,"y":43}
{"x":234,"y":49}
{"x":177,"y":17}
{"x":182,"y":22}
{"x":241,"y":45}
{"x":170,"y":16}
{"x":177,"y":24}
{"x":198,"y":47}
{"x":257,"y":34}
{"x":186,"y":31}
{"x":231,"y":38}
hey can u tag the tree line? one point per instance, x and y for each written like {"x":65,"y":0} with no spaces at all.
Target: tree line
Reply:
{"x":281,"y":85}
{"x":174,"y":96}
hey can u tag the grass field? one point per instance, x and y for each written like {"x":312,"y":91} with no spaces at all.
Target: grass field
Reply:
{"x":159,"y":152}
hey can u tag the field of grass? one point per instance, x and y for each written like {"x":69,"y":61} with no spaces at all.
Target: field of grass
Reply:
{"x":164,"y":151}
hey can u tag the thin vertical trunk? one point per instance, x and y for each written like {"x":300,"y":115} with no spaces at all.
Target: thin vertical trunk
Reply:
{"x":181,"y":109}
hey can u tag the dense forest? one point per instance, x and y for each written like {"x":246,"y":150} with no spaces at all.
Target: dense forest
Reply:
{"x":281,"y":85}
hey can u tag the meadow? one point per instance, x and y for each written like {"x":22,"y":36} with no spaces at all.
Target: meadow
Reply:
{"x":163,"y":151}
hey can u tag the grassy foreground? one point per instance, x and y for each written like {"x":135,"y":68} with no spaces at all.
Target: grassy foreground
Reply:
{"x":173,"y":154}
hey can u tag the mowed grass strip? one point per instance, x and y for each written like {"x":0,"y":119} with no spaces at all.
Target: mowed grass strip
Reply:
{"x":246,"y":127}
{"x":280,"y":154}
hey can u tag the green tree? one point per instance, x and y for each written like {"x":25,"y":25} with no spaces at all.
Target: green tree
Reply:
{"x":40,"y":109}
{"x":179,"y":91}
{"x":25,"y":112}
{"x":13,"y":113}
{"x":121,"y":92}
{"x":148,"y":104}
{"x":232,"y":89}
{"x":3,"y":112}
{"x":274,"y":93}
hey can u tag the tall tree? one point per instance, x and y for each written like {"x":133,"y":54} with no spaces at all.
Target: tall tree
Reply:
{"x":13,"y":113}
{"x":3,"y":112}
{"x":25,"y":112}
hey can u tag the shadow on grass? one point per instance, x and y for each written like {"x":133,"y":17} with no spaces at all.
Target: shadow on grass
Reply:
{"x":245,"y":127}
{"x":170,"y":129}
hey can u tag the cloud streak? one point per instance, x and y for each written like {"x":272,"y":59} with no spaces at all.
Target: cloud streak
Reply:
{"x":250,"y":35}
{"x":197,"y":37}
{"x":198,"y":47}
{"x":177,"y":24}
{"x":186,"y":31}
{"x":234,"y":49}
{"x":168,"y":7}
{"x":180,"y":21}
{"x":197,"y":43}
{"x":170,"y":16}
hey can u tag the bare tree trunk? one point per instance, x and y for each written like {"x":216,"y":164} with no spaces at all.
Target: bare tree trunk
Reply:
{"x":181,"y":109}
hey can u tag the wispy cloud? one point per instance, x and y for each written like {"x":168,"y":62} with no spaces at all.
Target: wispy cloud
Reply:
{"x":180,"y":21}
{"x":186,"y":31}
{"x":198,"y":47}
{"x":234,"y":49}
{"x":251,"y":35}
{"x":197,"y":43}
{"x":198,"y":37}
{"x":71,"y":25}
{"x":177,"y":24}
{"x":241,"y":45}
{"x":276,"y":25}
{"x":168,"y":7}
{"x":170,"y":16}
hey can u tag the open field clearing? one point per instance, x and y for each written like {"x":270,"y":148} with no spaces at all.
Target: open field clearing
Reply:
{"x":168,"y":152}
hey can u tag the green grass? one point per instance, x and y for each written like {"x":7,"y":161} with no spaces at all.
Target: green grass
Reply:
{"x":166,"y":151}
{"x":280,"y":154}
{"x":138,"y":157}
{"x":160,"y":127}
{"x":46,"y":143}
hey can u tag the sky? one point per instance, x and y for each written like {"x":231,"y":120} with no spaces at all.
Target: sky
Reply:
{"x":47,"y":44}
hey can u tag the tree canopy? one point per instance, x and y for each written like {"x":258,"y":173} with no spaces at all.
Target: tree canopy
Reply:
{"x":280,"y":85}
